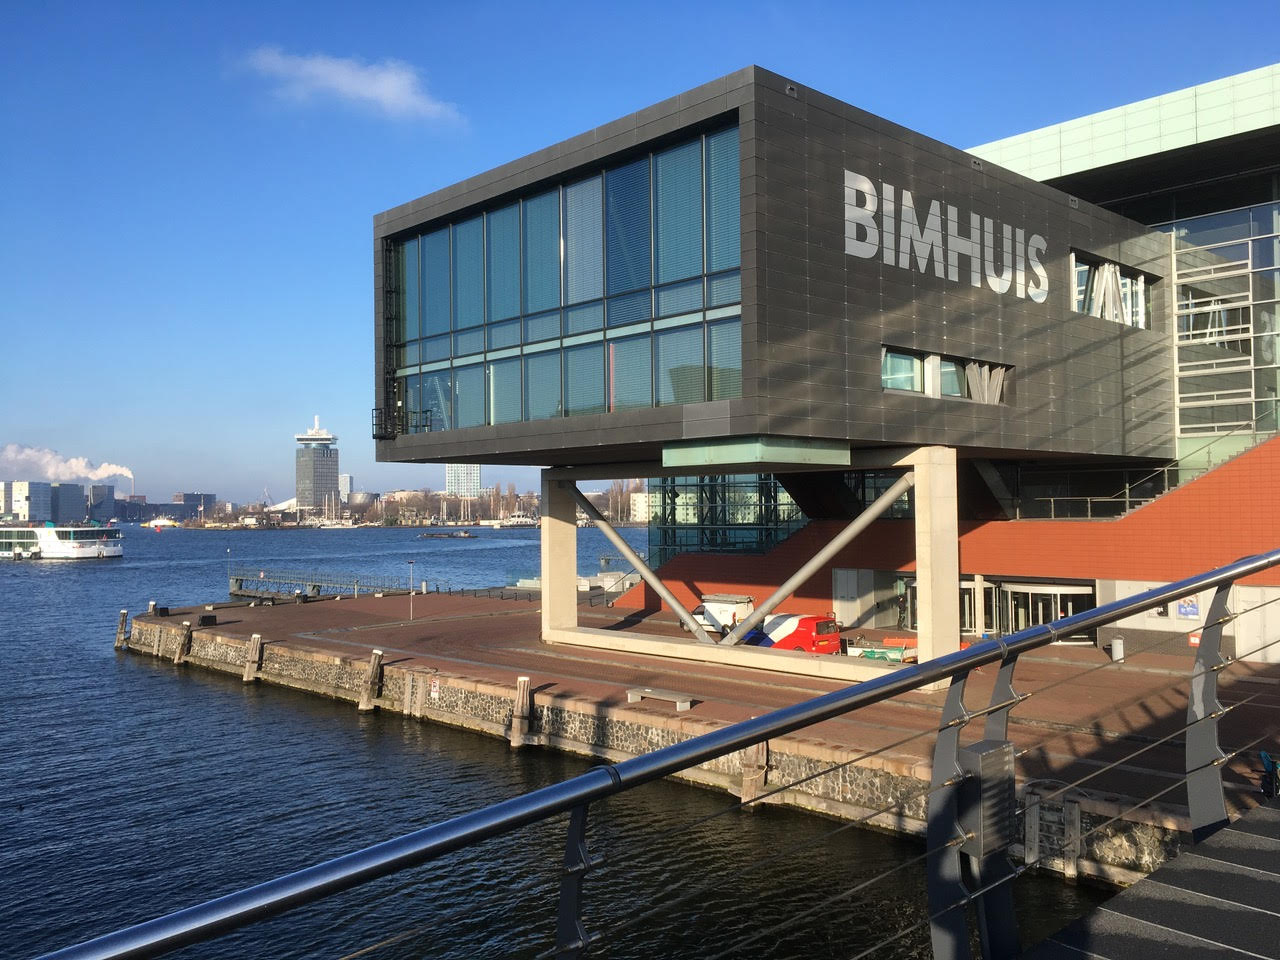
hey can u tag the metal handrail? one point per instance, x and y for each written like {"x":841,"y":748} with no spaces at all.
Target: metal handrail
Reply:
{"x":1122,"y":496}
{"x":317,"y":578}
{"x":206,"y":920}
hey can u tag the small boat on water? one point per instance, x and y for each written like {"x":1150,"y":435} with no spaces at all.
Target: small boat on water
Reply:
{"x":518,"y":519}
{"x":450,"y":535}
{"x":60,"y":543}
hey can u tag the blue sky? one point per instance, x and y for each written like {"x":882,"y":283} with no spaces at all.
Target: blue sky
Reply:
{"x":188,"y":189}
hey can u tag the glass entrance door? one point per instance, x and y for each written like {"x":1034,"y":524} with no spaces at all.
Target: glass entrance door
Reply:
{"x":1024,"y":605}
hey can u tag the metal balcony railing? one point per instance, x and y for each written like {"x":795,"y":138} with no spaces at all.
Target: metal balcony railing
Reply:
{"x":971,"y":801}
{"x":1156,"y":483}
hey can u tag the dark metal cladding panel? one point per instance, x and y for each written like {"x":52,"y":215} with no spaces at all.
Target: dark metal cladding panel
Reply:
{"x":1083,"y":385}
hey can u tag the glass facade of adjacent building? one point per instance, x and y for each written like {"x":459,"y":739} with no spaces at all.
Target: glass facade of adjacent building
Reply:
{"x":1227,"y":275}
{"x":616,"y":291}
{"x":747,"y":513}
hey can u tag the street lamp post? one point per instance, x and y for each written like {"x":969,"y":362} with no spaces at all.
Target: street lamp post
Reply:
{"x":411,"y":590}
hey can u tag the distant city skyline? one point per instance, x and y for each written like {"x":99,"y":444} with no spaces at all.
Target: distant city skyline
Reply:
{"x":188,"y":274}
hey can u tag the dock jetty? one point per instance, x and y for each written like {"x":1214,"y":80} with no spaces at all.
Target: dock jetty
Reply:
{"x":478,"y":662}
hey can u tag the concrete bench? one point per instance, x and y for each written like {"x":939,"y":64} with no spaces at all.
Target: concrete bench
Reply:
{"x":682,"y":700}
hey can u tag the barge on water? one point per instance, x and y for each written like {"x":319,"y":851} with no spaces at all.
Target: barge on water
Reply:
{"x":60,"y":543}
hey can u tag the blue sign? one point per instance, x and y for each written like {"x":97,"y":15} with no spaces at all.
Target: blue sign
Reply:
{"x":1189,"y":607}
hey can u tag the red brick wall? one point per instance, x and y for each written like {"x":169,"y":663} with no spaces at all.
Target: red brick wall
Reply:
{"x":1229,"y":513}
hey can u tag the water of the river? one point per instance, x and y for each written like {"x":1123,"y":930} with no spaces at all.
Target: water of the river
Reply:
{"x":130,"y":788}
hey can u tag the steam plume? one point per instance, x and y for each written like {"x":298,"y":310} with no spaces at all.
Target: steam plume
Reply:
{"x":53,"y":466}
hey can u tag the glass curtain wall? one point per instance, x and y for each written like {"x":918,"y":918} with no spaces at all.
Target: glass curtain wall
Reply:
{"x":1227,"y":276}
{"x":615,"y":291}
{"x":717,"y":514}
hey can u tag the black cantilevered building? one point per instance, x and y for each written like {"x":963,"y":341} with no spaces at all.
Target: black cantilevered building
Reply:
{"x":756,"y":277}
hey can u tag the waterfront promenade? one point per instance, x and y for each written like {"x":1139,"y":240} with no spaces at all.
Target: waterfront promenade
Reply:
{"x":458,"y":658}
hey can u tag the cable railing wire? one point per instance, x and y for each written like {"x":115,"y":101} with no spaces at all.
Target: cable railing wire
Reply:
{"x":666,"y":905}
{"x":605,"y":865}
{"x":836,"y":898}
{"x":965,"y":718}
{"x":507,"y":894}
{"x":1075,"y":785}
{"x":773,"y":792}
{"x":235,"y":910}
{"x":897,"y":803}
{"x":1019,"y":870}
{"x":1014,"y":873}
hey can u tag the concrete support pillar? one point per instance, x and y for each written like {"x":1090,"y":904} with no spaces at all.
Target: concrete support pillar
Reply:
{"x":372,"y":683}
{"x":559,"y":556}
{"x":937,"y":552}
{"x":122,"y":636}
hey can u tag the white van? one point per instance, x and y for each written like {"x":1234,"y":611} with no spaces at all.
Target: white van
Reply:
{"x":721,"y":612}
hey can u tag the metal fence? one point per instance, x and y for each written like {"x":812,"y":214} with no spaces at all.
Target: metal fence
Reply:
{"x":971,"y":802}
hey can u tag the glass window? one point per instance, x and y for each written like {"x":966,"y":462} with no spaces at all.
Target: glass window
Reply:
{"x":542,"y":385}
{"x":677,"y":177}
{"x":502,"y":242}
{"x":680,"y":298}
{"x":543,"y":327}
{"x":953,"y":379}
{"x":435,"y":282}
{"x":583,"y":248}
{"x":584,"y":379}
{"x":410,"y":390}
{"x":437,"y":348}
{"x":1264,"y":219}
{"x":409,"y":355}
{"x":408,"y":326}
{"x":677,"y":366}
{"x":630,"y":308}
{"x":468,"y":396}
{"x":468,"y":341}
{"x":1266,"y":325}
{"x":468,"y":273}
{"x":542,"y":252}
{"x":901,"y":371}
{"x":627,"y":226}
{"x":584,"y":318}
{"x":724,"y":289}
{"x":436,"y":396}
{"x":1214,"y":228}
{"x":724,"y":221}
{"x":724,"y":359}
{"x":504,"y":390}
{"x":504,"y":334}
{"x":630,"y":373}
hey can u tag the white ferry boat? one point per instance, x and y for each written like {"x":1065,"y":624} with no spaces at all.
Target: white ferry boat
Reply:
{"x":60,"y":543}
{"x":518,"y":519}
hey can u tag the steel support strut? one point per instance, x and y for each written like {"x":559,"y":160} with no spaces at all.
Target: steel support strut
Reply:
{"x":816,"y":562}
{"x":1205,"y":798}
{"x":642,"y":568}
{"x":571,"y":934}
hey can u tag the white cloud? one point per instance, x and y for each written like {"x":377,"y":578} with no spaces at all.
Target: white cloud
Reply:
{"x":390,"y":86}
